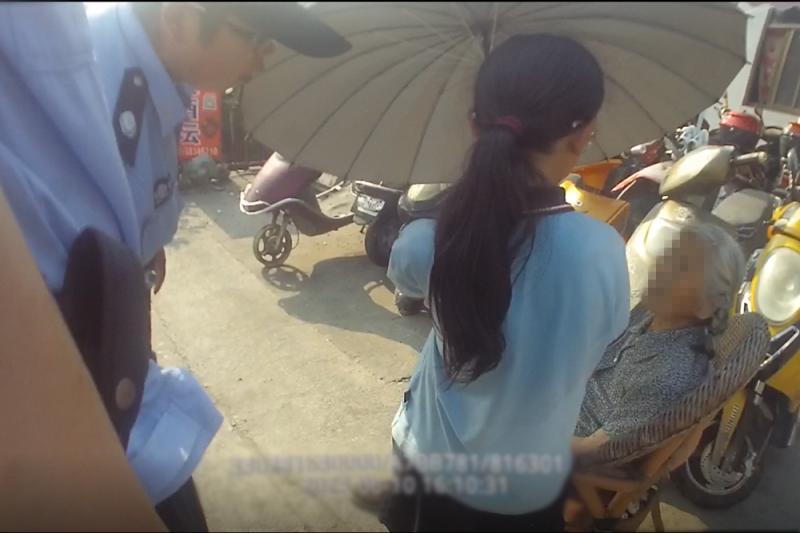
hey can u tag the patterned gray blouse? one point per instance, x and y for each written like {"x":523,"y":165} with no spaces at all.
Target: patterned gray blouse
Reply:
{"x":641,"y":374}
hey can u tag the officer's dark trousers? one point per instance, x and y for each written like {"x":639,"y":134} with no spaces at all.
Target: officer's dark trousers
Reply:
{"x":106,"y":305}
{"x":182,"y":511}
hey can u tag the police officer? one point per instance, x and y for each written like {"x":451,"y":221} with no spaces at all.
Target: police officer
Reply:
{"x":64,"y":180}
{"x":151,"y":57}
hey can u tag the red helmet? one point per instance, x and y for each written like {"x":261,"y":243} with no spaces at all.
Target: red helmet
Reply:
{"x":741,"y":121}
{"x":741,"y":130}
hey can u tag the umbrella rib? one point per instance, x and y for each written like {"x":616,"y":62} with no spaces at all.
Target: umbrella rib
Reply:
{"x":361,"y":88}
{"x":651,"y":60}
{"x":388,"y":107}
{"x":636,"y":101}
{"x":466,"y":25}
{"x":511,"y":8}
{"x":651,"y":25}
{"x":431,"y":28}
{"x":322,"y":75}
{"x":467,"y":8}
{"x":494,"y":27}
{"x":540,"y":10}
{"x":293,"y":55}
{"x":430,"y":117}
{"x":418,"y":6}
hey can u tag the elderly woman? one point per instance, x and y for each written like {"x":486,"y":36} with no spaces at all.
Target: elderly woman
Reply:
{"x":663,"y":353}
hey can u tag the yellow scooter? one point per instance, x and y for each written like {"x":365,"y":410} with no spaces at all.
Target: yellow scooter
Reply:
{"x":727,"y":464}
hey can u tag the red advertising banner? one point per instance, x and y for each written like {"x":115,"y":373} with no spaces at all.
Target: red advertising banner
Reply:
{"x":775,"y":42}
{"x":201,"y":132}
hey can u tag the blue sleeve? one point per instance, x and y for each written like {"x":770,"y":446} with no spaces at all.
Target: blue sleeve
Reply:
{"x":412,"y":258}
{"x":601,"y":284}
{"x":61,"y":166}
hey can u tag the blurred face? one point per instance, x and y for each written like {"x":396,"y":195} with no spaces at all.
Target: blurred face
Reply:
{"x":232,"y":55}
{"x":675,"y":288}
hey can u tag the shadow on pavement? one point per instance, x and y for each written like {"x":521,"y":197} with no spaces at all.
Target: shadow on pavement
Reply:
{"x":340,"y":292}
{"x":222,"y":207}
{"x":286,"y":278}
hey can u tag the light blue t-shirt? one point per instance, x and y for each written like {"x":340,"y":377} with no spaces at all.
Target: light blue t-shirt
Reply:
{"x":511,"y":428}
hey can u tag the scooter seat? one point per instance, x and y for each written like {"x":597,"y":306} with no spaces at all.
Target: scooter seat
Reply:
{"x":422,"y":201}
{"x":309,"y":219}
{"x":745,"y":207}
{"x":750,"y":212}
{"x":278,"y":179}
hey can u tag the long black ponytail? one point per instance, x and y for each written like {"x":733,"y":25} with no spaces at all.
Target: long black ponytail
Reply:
{"x":531,"y":91}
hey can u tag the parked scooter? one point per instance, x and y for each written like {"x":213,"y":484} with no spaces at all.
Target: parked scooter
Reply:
{"x":637,"y":158}
{"x":746,"y":200}
{"x":640,"y":188}
{"x":689,"y":191}
{"x":375,"y":210}
{"x":423,"y":201}
{"x":727,"y":465}
{"x":287,"y":193}
{"x":604,"y":177}
{"x":383,"y":212}
{"x":596,"y":177}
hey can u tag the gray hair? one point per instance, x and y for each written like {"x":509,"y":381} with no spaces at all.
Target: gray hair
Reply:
{"x":723,"y":266}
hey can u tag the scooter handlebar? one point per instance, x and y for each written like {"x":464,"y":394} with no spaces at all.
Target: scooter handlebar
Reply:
{"x":749,"y":159}
{"x":783,"y":347}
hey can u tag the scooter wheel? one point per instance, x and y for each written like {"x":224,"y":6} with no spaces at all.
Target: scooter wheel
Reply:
{"x":707,"y":486}
{"x":269,"y":248}
{"x":379,"y":238}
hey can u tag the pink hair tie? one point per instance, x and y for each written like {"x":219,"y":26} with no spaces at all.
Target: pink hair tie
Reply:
{"x":512,"y":123}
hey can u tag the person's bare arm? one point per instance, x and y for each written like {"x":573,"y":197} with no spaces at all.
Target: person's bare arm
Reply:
{"x":62,"y":466}
{"x":588,"y":445}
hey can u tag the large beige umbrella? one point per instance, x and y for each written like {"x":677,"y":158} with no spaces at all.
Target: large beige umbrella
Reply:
{"x":394,"y":108}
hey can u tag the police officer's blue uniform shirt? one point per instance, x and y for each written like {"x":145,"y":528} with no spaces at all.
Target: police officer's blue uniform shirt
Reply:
{"x":61,"y":171}
{"x":147,"y":109}
{"x":510,"y":430}
{"x":59,"y":165}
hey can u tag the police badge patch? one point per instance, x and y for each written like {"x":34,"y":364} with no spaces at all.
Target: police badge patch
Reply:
{"x":129,"y":113}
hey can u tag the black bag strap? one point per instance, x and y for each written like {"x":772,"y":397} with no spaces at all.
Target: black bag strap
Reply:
{"x":105,"y":304}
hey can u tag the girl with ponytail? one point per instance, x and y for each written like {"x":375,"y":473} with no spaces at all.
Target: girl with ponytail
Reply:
{"x":525,"y":296}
